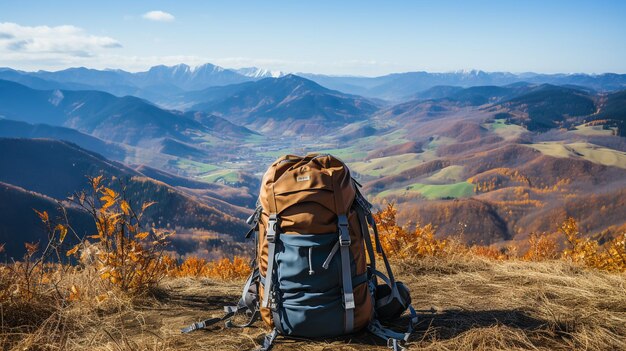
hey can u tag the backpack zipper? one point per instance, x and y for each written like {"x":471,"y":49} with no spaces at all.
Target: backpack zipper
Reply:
{"x":311,"y":271}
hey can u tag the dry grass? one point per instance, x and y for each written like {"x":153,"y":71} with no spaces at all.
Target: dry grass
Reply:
{"x":480,"y":304}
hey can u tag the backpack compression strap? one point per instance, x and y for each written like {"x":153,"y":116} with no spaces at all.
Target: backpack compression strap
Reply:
{"x":271,"y":236}
{"x":394,"y":339}
{"x":268,"y":341}
{"x":248,"y":301}
{"x":344,"y":247}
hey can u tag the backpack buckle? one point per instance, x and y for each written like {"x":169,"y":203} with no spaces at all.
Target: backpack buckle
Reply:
{"x":272,"y":228}
{"x":344,"y":233}
{"x":343,"y":241}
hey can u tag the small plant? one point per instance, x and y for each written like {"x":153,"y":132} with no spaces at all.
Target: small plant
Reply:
{"x":125,"y":254}
{"x":489,"y":252}
{"x":226,"y":269}
{"x":614,"y":258}
{"x":582,"y":250}
{"x":541,"y":248}
{"x":400,"y":243}
{"x":192,"y":266}
{"x":223,"y":269}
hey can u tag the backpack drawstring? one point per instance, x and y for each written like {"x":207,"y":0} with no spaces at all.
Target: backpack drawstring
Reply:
{"x":311,"y":271}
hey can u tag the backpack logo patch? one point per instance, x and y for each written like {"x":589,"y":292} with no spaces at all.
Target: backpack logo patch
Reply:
{"x":303,"y":178}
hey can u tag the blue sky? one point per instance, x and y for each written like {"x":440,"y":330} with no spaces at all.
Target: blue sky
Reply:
{"x":331,"y":37}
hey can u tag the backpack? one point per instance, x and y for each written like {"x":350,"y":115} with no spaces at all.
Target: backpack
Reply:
{"x":311,"y":276}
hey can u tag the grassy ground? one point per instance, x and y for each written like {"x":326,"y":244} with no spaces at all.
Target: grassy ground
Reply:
{"x":587,"y":151}
{"x":506,"y":131}
{"x":434,"y":191}
{"x":479,"y":304}
{"x":195,"y":167}
{"x":228,"y":175}
{"x":591,"y":130}
{"x":384,"y":166}
{"x":448,"y":174}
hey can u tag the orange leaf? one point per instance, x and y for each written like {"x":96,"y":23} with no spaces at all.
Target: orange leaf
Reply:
{"x":146,"y":205}
{"x":101,"y":297}
{"x":72,"y":250}
{"x":62,"y":232}
{"x":74,"y":293}
{"x":95,"y":182}
{"x":125,"y":207}
{"x":43,"y":215}
{"x":142,"y":235}
{"x":31,"y":248}
{"x":110,"y":192}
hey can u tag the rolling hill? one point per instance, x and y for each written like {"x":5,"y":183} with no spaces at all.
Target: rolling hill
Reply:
{"x":549,"y":106}
{"x":287,"y":104}
{"x":57,"y":169}
{"x":19,"y":224}
{"x":403,"y":86}
{"x":127,"y":120}
{"x":613,"y":109}
{"x":17,"y":129}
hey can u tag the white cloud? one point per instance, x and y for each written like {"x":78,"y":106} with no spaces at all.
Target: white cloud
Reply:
{"x":34,"y":43}
{"x":35,"y":48}
{"x":159,"y":16}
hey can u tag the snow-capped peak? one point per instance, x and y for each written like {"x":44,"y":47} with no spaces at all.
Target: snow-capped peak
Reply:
{"x":254,"y":72}
{"x":208,"y":67}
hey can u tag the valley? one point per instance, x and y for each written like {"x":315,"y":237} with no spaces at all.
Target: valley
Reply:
{"x":489,"y":164}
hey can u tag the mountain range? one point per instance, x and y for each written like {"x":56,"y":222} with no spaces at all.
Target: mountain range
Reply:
{"x":158,"y":83}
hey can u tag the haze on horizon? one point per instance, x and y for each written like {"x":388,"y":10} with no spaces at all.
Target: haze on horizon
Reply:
{"x":341,"y":38}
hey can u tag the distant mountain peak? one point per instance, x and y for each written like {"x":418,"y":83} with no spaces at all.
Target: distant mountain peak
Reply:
{"x":181,"y":67}
{"x":208,"y":67}
{"x":255,"y":72}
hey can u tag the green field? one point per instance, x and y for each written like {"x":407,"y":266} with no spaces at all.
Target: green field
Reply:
{"x":588,"y":130}
{"x":225,"y":175}
{"x":193,"y":167}
{"x":506,"y":131}
{"x":384,"y":166}
{"x":432,"y":191}
{"x":446,"y":175}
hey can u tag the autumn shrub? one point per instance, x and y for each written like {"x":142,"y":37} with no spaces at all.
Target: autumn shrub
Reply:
{"x":588,"y":252}
{"x":614,"y":258}
{"x":38,"y":278}
{"x":489,"y":252}
{"x":398,"y":242}
{"x":192,"y":266}
{"x":125,"y":254}
{"x":29,"y":279}
{"x":223,"y":269}
{"x":581,"y":250}
{"x":541,"y":247}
